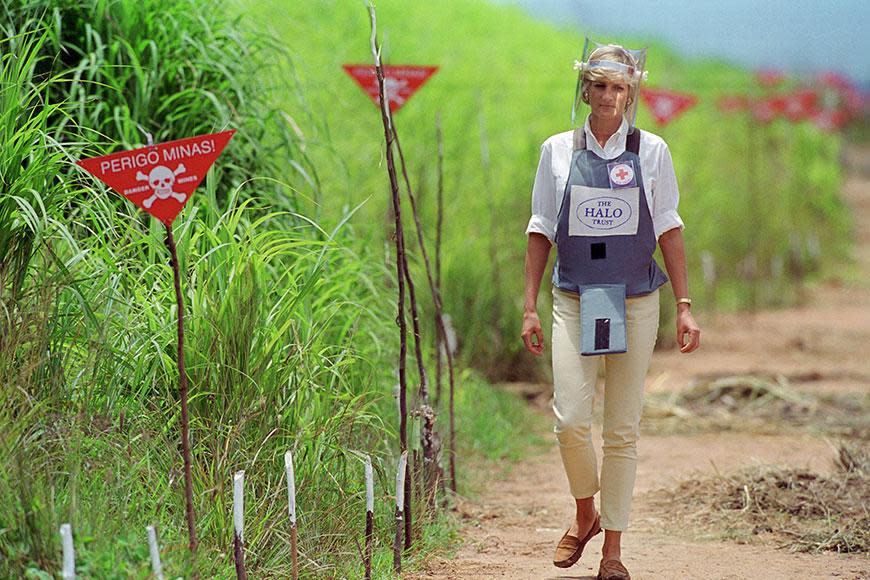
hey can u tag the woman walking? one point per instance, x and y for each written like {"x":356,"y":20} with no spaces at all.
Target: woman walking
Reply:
{"x":604,"y":195}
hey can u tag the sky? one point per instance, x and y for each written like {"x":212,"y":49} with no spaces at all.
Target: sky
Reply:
{"x":797,"y":36}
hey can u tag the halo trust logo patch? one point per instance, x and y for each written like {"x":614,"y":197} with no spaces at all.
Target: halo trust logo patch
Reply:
{"x":621,"y":174}
{"x":604,"y":213}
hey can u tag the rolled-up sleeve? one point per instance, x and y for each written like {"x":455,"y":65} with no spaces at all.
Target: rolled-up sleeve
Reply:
{"x":543,"y":220}
{"x":666,"y":196}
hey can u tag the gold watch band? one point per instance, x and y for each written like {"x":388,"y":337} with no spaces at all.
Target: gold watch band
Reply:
{"x":684,"y":301}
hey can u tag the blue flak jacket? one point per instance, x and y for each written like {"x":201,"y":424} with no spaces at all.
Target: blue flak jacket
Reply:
{"x":605,"y":230}
{"x":605,"y":242}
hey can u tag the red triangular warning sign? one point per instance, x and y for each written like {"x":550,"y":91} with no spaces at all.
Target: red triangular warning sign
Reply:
{"x":830,"y":120}
{"x":666,"y":105}
{"x":400,"y":82}
{"x":800,"y":105}
{"x":733,"y":103}
{"x":766,"y":110}
{"x":160,"y":178}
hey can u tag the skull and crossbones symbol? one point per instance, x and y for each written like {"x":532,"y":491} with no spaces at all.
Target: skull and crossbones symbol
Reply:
{"x":161,"y":179}
{"x":392,"y":86}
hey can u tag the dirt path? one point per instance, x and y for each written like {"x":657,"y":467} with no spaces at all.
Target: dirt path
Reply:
{"x":511,"y":531}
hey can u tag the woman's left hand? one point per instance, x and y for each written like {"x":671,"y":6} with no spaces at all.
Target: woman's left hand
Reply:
{"x":688,"y":332}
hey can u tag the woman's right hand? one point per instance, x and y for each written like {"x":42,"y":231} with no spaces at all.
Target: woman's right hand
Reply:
{"x":536,"y":260}
{"x":532,"y":328}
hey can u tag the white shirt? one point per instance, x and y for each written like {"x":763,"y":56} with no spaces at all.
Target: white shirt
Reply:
{"x":656,"y":166}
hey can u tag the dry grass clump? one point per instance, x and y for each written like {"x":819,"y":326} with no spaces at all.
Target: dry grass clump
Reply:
{"x":745,"y":395}
{"x":758,"y":404}
{"x":795,"y":508}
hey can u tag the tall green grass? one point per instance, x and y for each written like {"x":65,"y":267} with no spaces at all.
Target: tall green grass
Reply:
{"x":512,"y":75}
{"x":275,"y":364}
{"x":29,"y":162}
{"x":171,"y":68}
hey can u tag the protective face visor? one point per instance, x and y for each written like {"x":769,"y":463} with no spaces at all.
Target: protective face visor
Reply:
{"x":632,"y":74}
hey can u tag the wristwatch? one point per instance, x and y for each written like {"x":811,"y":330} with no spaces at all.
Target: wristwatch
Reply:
{"x":684,"y":301}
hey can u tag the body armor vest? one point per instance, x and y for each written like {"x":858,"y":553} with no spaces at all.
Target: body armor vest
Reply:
{"x":605,"y":231}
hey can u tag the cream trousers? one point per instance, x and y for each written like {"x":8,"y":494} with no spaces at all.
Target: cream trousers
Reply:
{"x":574,"y":378}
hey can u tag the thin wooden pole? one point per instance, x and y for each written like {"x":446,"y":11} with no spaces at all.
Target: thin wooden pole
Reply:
{"x":423,"y":401}
{"x":370,"y":517}
{"x":400,"y":508}
{"x":424,"y":390}
{"x":182,"y":379}
{"x":239,"y":524}
{"x":419,"y":491}
{"x":445,"y":343}
{"x":439,"y":338}
{"x":439,"y":315}
{"x":389,"y":136}
{"x":291,"y":506}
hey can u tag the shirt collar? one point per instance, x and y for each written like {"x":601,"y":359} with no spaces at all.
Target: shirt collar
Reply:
{"x":614,"y":147}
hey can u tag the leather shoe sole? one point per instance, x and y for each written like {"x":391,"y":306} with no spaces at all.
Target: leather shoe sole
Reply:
{"x":574,"y":546}
{"x":612,"y":570}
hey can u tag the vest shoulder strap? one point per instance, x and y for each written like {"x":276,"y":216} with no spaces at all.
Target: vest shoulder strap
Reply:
{"x":632,"y":141}
{"x":579,"y":139}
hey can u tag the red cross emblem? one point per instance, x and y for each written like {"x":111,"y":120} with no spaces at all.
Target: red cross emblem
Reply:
{"x":621,"y":174}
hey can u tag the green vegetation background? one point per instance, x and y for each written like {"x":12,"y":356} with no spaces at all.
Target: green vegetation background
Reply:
{"x":291,"y":334}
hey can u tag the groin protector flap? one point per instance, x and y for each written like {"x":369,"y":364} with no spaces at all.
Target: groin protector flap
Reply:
{"x":602,"y":319}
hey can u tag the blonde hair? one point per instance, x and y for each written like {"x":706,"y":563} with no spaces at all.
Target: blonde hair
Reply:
{"x":612,"y":53}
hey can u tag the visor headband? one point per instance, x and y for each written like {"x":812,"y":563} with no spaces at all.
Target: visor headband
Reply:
{"x":628,"y":71}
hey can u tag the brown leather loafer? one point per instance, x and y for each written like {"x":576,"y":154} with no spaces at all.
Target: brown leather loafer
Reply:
{"x":570,"y":548}
{"x":612,"y":569}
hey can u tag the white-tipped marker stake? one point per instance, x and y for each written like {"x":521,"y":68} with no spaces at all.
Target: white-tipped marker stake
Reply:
{"x":291,"y":486}
{"x":239,"y":524}
{"x":370,"y":486}
{"x":400,"y":506}
{"x":400,"y":482}
{"x":154,"y":549}
{"x":291,"y":503}
{"x":69,"y":555}
{"x":370,"y":516}
{"x":239,"y":504}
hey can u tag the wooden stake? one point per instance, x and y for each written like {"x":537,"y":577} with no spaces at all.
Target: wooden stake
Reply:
{"x":154,"y":550}
{"x":428,"y":436}
{"x":182,"y":379}
{"x":437,"y":479}
{"x":370,"y":517}
{"x":389,"y":136}
{"x":239,"y":524}
{"x":69,"y":554}
{"x":291,"y":503}
{"x":419,"y":491}
{"x":400,"y":507}
{"x":424,"y":389}
{"x":439,"y":338}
